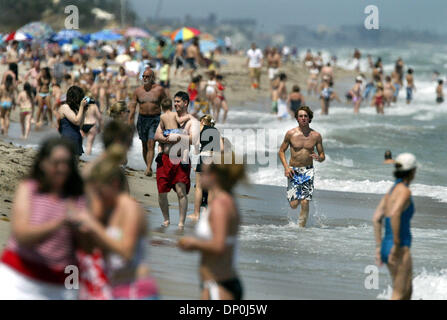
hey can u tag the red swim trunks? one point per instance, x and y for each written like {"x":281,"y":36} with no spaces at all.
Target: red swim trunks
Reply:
{"x":169,"y":174}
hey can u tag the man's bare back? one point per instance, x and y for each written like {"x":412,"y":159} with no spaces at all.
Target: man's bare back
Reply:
{"x":192,"y":52}
{"x":179,"y":50}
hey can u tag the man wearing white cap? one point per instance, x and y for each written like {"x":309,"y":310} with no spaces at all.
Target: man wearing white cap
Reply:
{"x":397,"y":209}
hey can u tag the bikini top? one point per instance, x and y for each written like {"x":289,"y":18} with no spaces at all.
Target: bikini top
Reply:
{"x":203,"y":229}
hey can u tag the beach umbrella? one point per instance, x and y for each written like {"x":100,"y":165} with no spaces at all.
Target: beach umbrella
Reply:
{"x":207,"y":46}
{"x":136,"y":33}
{"x":166,"y":33}
{"x":122,"y":58}
{"x":152,"y":44}
{"x":66,"y":35}
{"x":207,"y":37}
{"x":184,"y":34}
{"x":19,"y":36}
{"x":78,"y":42}
{"x":37,"y":30}
{"x":105,"y":35}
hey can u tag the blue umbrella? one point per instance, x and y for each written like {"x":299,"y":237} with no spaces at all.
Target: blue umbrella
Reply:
{"x":105,"y":35}
{"x":207,"y":46}
{"x":37,"y":30}
{"x":66,"y":35}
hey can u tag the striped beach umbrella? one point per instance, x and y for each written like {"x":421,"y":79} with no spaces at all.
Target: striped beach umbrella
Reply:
{"x":184,"y":34}
{"x":19,"y":36}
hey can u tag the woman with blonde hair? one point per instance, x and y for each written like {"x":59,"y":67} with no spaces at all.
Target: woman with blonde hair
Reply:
{"x":216,"y":231}
{"x":118,"y":111}
{"x":119,"y":227}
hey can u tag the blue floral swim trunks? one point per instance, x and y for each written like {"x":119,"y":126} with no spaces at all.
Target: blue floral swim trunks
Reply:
{"x":301,"y":186}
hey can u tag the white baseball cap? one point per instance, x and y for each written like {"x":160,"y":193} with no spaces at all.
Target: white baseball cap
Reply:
{"x":405,"y":162}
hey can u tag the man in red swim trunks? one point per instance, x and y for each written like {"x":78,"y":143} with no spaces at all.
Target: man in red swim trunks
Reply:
{"x":171,"y":172}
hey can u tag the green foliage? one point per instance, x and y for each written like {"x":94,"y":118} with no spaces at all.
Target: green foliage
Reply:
{"x":16,"y":13}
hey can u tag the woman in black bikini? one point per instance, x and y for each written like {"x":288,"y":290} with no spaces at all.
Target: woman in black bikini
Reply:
{"x":92,"y":124}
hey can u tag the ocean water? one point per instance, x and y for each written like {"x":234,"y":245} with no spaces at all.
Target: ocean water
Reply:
{"x":327,"y":260}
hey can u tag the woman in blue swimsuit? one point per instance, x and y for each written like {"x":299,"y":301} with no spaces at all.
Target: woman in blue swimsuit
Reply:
{"x":397,"y":209}
{"x":7,"y":98}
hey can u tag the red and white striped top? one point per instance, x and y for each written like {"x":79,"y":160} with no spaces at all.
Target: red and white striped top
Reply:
{"x":57,"y":251}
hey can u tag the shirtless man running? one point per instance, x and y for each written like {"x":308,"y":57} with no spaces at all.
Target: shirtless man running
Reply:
{"x":149,"y":96}
{"x":300,"y":171}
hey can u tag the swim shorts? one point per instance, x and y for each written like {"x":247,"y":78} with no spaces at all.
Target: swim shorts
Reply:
{"x":396,"y":92}
{"x":146,"y":126}
{"x":301,"y":186}
{"x":409,"y":93}
{"x":275,"y":106}
{"x":172,"y":131}
{"x":178,"y":62}
{"x":272,"y":73}
{"x":282,"y":109}
{"x":169,"y":174}
{"x":192,"y":63}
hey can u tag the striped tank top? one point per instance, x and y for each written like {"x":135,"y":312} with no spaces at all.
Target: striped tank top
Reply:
{"x":55,"y":252}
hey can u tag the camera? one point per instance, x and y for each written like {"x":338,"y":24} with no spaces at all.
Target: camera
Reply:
{"x":89,"y":100}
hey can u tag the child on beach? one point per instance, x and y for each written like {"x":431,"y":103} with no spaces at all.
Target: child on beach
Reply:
{"x":193,"y":91}
{"x":410,"y":85}
{"x":439,"y":92}
{"x":378,"y":100}
{"x":26,"y":103}
{"x":171,"y":124}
